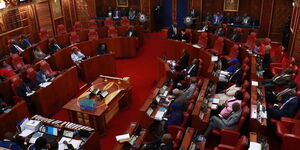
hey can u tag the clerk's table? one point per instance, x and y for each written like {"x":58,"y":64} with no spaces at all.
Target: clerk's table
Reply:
{"x":118,"y":97}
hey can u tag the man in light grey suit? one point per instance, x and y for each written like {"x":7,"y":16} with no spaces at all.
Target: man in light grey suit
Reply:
{"x":229,"y":123}
{"x":186,"y":94}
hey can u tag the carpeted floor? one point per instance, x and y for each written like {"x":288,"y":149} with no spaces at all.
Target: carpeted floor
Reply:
{"x":142,"y":71}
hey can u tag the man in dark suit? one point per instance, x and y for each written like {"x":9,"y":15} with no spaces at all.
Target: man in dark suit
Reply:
{"x":283,"y":95}
{"x":54,"y":46}
{"x":25,"y":41}
{"x":229,"y":123}
{"x":184,"y":37}
{"x":173,"y":32}
{"x":15,"y":48}
{"x":26,"y":87}
{"x":117,"y":14}
{"x":235,"y":36}
{"x":41,"y":76}
{"x":281,"y":79}
{"x":7,"y":142}
{"x":288,"y":109}
{"x":217,"y":18}
{"x":164,"y":143}
{"x":184,"y":60}
{"x":157,"y":13}
{"x":246,"y":20}
{"x":131,"y":32}
{"x":193,"y":13}
{"x":123,"y":12}
{"x":221,"y":30}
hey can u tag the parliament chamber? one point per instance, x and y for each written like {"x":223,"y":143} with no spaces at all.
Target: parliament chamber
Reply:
{"x":149,"y":74}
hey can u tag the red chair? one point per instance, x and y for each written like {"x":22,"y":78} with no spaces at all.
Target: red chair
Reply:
{"x":246,"y":61}
{"x":15,"y":82}
{"x":61,"y":29}
{"x":186,"y":117}
{"x":189,"y":32}
{"x":31,"y":74}
{"x":218,"y":47}
{"x":289,"y":132}
{"x":74,"y":38}
{"x":245,"y":113}
{"x":177,"y":134}
{"x":251,"y":39}
{"x":279,"y":54}
{"x":245,"y":86}
{"x":246,"y":98}
{"x":240,"y":32}
{"x":190,"y":108}
{"x":43,"y":34}
{"x":200,"y":67}
{"x":203,"y":40}
{"x":108,"y":22}
{"x":77,"y":26}
{"x":93,"y":24}
{"x":17,"y":62}
{"x":112,"y":32}
{"x":93,"y":35}
{"x":245,"y":69}
{"x":233,"y":53}
{"x":277,"y":68}
{"x":49,"y":71}
{"x":240,"y":144}
{"x":125,"y":22}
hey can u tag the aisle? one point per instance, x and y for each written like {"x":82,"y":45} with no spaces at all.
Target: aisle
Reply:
{"x":142,"y":71}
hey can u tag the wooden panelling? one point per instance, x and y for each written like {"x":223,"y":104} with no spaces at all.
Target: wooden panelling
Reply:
{"x":44,"y":16}
{"x":281,"y":11}
{"x":103,"y":5}
{"x":294,"y":45}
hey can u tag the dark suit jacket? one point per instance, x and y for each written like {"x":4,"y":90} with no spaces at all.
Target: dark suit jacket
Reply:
{"x":220,"y":32}
{"x":39,"y":77}
{"x":236,"y":37}
{"x":185,"y":37}
{"x":184,"y":60}
{"x":134,"y":33}
{"x":171,"y":33}
{"x":237,"y":75}
{"x":9,"y":145}
{"x":54,"y":48}
{"x":282,"y":80}
{"x":26,"y":43}
{"x":21,"y":90}
{"x":288,"y":109}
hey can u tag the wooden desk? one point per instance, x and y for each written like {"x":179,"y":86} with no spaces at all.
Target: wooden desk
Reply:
{"x":97,"y":65}
{"x":255,"y":124}
{"x":174,"y":52}
{"x":50,"y":99}
{"x":254,"y":76}
{"x":186,"y":143}
{"x":254,"y":137}
{"x":139,"y":141}
{"x":92,"y":141}
{"x":199,"y":119}
{"x":119,"y":97}
{"x":8,"y":121}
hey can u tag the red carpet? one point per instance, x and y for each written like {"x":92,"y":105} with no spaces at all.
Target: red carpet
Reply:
{"x":142,"y":71}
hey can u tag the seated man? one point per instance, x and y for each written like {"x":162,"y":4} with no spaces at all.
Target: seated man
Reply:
{"x":186,"y":95}
{"x":54,"y":46}
{"x":235,"y":36}
{"x":229,"y":92}
{"x":184,"y":37}
{"x":41,"y":76}
{"x":6,"y":70}
{"x":164,"y":143}
{"x":220,"y":31}
{"x":39,"y":54}
{"x":184,"y":60}
{"x":77,"y":56}
{"x":173,"y":32}
{"x":238,"y":97}
{"x":25,"y":88}
{"x":230,"y":122}
{"x":175,"y":117}
{"x":225,"y":78}
{"x":15,"y":48}
{"x":7,"y":142}
{"x":25,"y":42}
{"x":288,"y":109}
{"x":102,"y":49}
{"x":279,"y":80}
{"x":131,"y":32}
{"x":190,"y":71}
{"x":282,"y":96}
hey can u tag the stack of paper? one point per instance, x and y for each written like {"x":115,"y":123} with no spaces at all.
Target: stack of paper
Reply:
{"x":26,"y":132}
{"x":196,"y":46}
{"x":159,"y":115}
{"x":254,"y":146}
{"x":43,"y":85}
{"x":254,"y":83}
{"x":76,"y":143}
{"x":123,"y":138}
{"x":214,"y":58}
{"x":214,"y":107}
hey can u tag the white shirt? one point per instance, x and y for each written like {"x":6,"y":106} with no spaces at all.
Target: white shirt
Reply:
{"x":77,"y":57}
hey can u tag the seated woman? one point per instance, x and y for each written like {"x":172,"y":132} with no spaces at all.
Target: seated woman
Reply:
{"x":238,"y":97}
{"x":39,"y":54}
{"x":6,"y":70}
{"x":176,"y":115}
{"x":101,"y":49}
{"x":229,"y":93}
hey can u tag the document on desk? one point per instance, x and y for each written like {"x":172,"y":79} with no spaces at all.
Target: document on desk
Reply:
{"x":254,"y":83}
{"x":196,"y":46}
{"x":123,"y":138}
{"x":76,"y":143}
{"x":253,"y":111}
{"x":30,"y":93}
{"x":45,"y":84}
{"x":26,"y":132}
{"x":254,"y":146}
{"x":263,"y":114}
{"x":149,"y":111}
{"x":224,"y":73}
{"x":214,"y":106}
{"x":214,"y":58}
{"x":159,"y":115}
{"x":35,"y":136}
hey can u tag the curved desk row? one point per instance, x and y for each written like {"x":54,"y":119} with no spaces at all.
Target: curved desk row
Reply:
{"x":8,"y":121}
